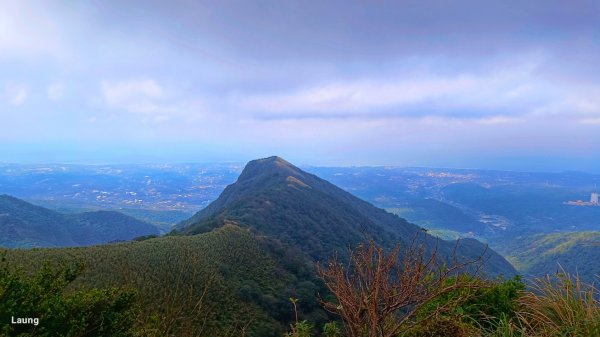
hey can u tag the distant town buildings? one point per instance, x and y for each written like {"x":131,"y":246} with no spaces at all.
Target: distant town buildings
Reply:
{"x":593,"y":201}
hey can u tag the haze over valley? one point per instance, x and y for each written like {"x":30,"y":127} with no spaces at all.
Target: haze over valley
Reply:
{"x":496,"y":207}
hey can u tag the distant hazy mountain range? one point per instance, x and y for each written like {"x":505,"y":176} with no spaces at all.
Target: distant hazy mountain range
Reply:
{"x":26,"y":225}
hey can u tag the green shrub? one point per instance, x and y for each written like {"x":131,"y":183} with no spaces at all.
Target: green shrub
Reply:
{"x":505,"y":327}
{"x":95,"y":312}
{"x":483,"y":305}
{"x":300,"y":329}
{"x":332,"y":329}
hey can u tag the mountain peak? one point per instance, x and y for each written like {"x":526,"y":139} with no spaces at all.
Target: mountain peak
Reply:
{"x":268,"y":167}
{"x":275,"y":198}
{"x":273,"y":160}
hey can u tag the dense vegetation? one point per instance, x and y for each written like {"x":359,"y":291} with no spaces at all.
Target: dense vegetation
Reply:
{"x":214,"y":284}
{"x":573,"y":252}
{"x":26,"y":225}
{"x":279,"y":200}
{"x":244,"y":266}
{"x":231,"y":283}
{"x":41,"y":297}
{"x":384,"y":294}
{"x":556,"y":306}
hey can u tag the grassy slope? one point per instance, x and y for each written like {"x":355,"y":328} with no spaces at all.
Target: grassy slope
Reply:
{"x":248,"y":285}
{"x":537,"y":255}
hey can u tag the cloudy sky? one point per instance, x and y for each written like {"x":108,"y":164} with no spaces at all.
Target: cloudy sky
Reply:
{"x":487,"y":84}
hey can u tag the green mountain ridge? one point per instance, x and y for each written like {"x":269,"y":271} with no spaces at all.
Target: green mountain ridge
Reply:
{"x":542,"y":254}
{"x":244,"y":280}
{"x":277,"y":199}
{"x":23,"y":224}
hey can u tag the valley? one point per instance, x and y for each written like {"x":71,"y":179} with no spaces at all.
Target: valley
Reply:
{"x":495,"y":207}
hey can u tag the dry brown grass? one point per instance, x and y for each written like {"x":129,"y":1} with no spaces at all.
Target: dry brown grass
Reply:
{"x":561,"y":306}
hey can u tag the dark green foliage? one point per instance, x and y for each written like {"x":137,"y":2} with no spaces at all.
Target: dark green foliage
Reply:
{"x":212,"y":284}
{"x":26,"y":225}
{"x":108,"y":226}
{"x":484,"y":305}
{"x":300,"y":329}
{"x":277,"y":199}
{"x":43,"y":295}
{"x":332,"y":329}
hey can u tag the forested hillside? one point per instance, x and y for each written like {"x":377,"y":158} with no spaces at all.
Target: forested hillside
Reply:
{"x":216,"y":284}
{"x":26,"y":225}
{"x":277,"y":199}
{"x":572,"y":252}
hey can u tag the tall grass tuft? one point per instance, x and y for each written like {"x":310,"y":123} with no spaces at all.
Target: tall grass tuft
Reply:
{"x":563,"y":306}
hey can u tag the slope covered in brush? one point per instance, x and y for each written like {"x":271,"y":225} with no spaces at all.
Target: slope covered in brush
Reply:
{"x":214,"y":284}
{"x":23,"y":224}
{"x":571,"y":252}
{"x":279,"y":200}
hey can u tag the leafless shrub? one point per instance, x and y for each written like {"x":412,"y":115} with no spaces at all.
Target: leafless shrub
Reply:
{"x":379,"y":294}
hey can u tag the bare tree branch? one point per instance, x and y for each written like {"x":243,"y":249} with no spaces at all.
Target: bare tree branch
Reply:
{"x":379,"y":294}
